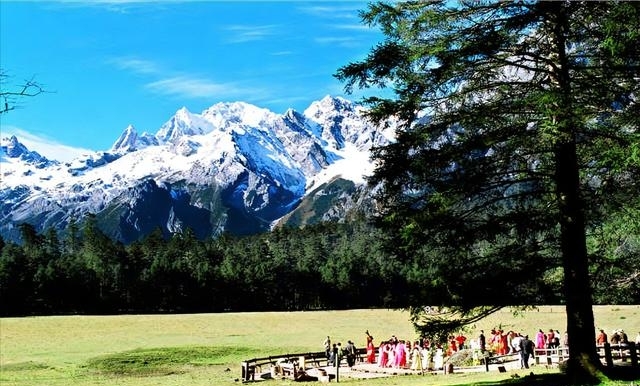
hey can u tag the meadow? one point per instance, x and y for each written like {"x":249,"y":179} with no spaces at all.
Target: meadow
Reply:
{"x":207,"y":349}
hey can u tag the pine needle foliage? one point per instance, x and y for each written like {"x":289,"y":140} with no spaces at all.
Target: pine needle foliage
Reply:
{"x":519,"y":133}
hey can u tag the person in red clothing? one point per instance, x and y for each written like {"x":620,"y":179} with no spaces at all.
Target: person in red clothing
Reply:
{"x":504,"y":345}
{"x":550,"y":338}
{"x":453,"y":346}
{"x":460,"y":339}
{"x":371,"y":349}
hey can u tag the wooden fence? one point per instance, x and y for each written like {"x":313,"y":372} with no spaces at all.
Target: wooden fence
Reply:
{"x":316,"y":359}
{"x":622,"y":351}
{"x":625,"y":353}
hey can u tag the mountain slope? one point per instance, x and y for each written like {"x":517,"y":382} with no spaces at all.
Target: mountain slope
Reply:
{"x":234,"y":167}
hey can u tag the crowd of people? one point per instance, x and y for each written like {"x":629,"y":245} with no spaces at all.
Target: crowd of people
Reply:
{"x":422,"y":354}
{"x":390,"y":353}
{"x":617,"y":337}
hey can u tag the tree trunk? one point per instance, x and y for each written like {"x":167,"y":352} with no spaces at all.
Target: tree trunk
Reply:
{"x":584,"y":366}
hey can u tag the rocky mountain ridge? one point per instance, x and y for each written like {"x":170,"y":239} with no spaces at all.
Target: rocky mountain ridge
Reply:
{"x":234,"y":167}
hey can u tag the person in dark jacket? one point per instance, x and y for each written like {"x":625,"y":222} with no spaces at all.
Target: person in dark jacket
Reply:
{"x":350,"y":352}
{"x":526,"y":350}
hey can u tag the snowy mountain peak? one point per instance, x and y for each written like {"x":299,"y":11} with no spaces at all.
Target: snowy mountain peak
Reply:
{"x":234,"y":167}
{"x":295,"y":118}
{"x":224,"y":114}
{"x":329,"y":105}
{"x":337,"y":102}
{"x":127,"y":141}
{"x":183,"y":123}
{"x":338,"y":121}
{"x":13,"y":148}
{"x":186,"y":116}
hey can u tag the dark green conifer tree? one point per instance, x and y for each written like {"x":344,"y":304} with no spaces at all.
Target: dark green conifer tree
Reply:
{"x":517,"y":122}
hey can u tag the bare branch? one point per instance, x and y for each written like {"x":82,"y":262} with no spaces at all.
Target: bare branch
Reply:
{"x":11,"y":95}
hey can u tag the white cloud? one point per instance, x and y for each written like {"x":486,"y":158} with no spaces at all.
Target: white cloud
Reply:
{"x":45,"y":146}
{"x":342,"y":41}
{"x":250,"y":33}
{"x":175,"y":83}
{"x":186,"y":86}
{"x":136,"y":65}
{"x":346,"y":11}
{"x":120,"y":6}
{"x":191,"y":87}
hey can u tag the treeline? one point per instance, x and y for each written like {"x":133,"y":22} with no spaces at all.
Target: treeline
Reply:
{"x":325,"y":266}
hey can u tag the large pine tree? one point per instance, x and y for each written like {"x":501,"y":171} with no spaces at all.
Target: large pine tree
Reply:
{"x":519,"y":127}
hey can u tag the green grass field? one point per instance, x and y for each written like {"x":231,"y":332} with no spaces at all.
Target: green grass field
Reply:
{"x":206,"y":349}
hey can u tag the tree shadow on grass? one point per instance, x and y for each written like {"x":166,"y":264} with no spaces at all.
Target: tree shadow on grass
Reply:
{"x":623,"y":373}
{"x":617,"y":376}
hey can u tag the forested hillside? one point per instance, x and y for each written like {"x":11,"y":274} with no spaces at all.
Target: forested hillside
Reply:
{"x":324,"y":266}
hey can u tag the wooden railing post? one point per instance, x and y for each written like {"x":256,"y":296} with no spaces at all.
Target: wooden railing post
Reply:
{"x":560,"y":354}
{"x":245,"y":371}
{"x":607,"y":355}
{"x":633,"y":353}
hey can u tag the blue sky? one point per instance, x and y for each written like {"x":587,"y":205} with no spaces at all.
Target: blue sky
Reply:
{"x":109,"y":64}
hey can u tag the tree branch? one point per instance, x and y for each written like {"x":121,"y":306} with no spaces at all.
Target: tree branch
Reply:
{"x":10,"y":95}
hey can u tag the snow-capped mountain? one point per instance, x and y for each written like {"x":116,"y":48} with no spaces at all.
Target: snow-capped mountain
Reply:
{"x":233,"y":167}
{"x":13,"y":149}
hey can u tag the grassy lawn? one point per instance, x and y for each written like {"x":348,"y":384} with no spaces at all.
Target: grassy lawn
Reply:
{"x":206,"y":349}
